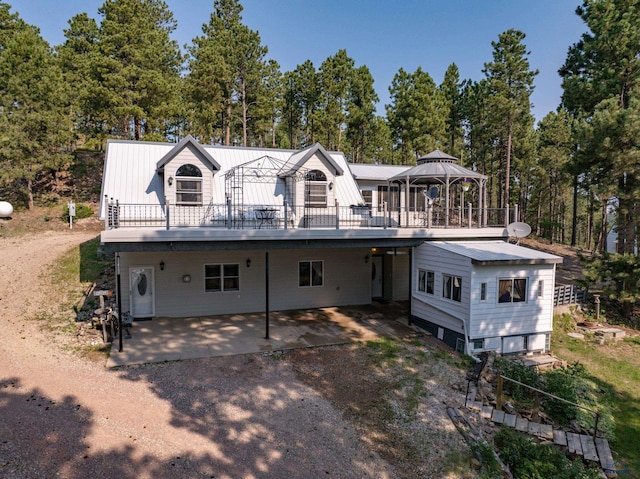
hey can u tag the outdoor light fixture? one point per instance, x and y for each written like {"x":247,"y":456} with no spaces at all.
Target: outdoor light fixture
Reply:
{"x":330,"y":186}
{"x":170,"y":180}
{"x":248,"y":262}
{"x":186,"y":278}
{"x":161,"y":265}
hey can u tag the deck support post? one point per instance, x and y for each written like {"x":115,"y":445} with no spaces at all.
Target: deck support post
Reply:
{"x":266,"y":293}
{"x":118,"y":302}
{"x":410,"y":282}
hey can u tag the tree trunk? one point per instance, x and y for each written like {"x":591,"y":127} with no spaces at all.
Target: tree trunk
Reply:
{"x":30,"y":193}
{"x":507,"y":168}
{"x":243,"y":85}
{"x":574,"y":220}
{"x":227,"y":122}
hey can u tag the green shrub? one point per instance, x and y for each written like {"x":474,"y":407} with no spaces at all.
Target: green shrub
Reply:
{"x":529,"y":460}
{"x":574,"y":384}
{"x":82,"y":211}
{"x":518,"y":371}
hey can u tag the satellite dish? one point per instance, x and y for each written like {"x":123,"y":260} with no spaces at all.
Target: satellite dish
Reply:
{"x":433,"y":192}
{"x":518,"y":230}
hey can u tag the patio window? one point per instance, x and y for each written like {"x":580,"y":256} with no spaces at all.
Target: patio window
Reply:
{"x":426,"y":281}
{"x":367,"y":196}
{"x":222,"y":277}
{"x":390,"y":197}
{"x":512,"y":290}
{"x":315,"y":194}
{"x":189,"y":186}
{"x":452,"y":287}
{"x":416,"y":199}
{"x":310,"y":273}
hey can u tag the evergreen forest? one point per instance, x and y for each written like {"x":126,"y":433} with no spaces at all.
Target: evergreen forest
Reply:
{"x":575,"y":174}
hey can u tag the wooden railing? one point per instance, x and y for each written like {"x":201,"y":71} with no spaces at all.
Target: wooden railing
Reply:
{"x":569,"y":294}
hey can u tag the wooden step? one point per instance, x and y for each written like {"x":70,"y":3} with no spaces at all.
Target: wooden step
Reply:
{"x":522,"y":424}
{"x":559,"y":437}
{"x":573,"y":443}
{"x":510,"y":420}
{"x":477,"y":405}
{"x":606,"y":459}
{"x":546,"y":431}
{"x":588,"y":448}
{"x":487,"y":412}
{"x":497,"y":416}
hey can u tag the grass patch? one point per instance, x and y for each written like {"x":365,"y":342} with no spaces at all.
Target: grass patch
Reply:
{"x":385,"y":349}
{"x":615,"y":367}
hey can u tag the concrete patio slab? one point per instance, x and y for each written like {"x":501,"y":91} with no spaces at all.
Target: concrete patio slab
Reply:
{"x":173,"y":339}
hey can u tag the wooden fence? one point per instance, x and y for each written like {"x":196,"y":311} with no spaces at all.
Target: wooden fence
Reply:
{"x":569,"y":294}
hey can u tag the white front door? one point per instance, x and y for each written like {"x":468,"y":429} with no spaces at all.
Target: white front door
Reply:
{"x":141,"y":291}
{"x":376,"y":276}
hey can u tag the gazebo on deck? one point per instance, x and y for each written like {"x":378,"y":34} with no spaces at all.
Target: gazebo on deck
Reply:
{"x":438,"y":170}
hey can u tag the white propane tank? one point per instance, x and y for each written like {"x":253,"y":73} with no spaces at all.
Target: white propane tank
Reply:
{"x":5,"y":209}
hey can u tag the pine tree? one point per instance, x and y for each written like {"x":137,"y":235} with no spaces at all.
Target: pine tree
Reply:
{"x":509,"y":82}
{"x":35,"y":122}
{"x":601,"y":86}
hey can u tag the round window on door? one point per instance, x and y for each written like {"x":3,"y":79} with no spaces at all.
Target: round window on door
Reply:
{"x":142,"y":284}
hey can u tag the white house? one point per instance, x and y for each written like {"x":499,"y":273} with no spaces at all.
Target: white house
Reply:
{"x":207,"y":230}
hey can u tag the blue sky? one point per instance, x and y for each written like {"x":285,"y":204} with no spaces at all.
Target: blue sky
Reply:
{"x":385,"y":35}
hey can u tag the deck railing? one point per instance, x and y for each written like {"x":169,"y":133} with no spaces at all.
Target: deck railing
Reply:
{"x":270,"y":216}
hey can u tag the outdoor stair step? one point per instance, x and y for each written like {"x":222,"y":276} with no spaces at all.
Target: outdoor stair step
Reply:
{"x":475,"y":405}
{"x":510,"y":420}
{"x":573,"y":443}
{"x":546,"y":431}
{"x":534,"y":428}
{"x":559,"y":437}
{"x":487,"y":412}
{"x":588,"y":448}
{"x":522,"y":424}
{"x":606,"y":459}
{"x":497,"y":416}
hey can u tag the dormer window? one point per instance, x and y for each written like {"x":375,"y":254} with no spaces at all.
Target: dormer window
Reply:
{"x":315,"y":194}
{"x":189,"y":186}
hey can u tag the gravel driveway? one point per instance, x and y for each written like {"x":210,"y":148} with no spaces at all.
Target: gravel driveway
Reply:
{"x":248,"y":416}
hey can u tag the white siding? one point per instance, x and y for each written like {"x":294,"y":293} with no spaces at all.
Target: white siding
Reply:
{"x":189,"y":156}
{"x":347,"y":280}
{"x":491,"y":318}
{"x":428,"y":257}
{"x":500,"y":324}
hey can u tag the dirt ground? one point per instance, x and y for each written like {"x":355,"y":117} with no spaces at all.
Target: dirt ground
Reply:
{"x":344,"y":411}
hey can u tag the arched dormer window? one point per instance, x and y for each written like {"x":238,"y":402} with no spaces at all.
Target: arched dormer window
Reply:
{"x":189,"y":186}
{"x":315,"y":193}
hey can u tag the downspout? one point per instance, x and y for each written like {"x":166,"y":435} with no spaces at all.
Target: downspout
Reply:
{"x":466,"y":344}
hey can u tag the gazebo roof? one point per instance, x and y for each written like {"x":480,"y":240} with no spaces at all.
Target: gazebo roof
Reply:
{"x":437,"y":165}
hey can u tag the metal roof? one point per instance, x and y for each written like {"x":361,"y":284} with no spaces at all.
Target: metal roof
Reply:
{"x":299,"y":158}
{"x":362,"y":171}
{"x":131,"y":177}
{"x":437,"y":165}
{"x":488,"y":253}
{"x":189,"y":140}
